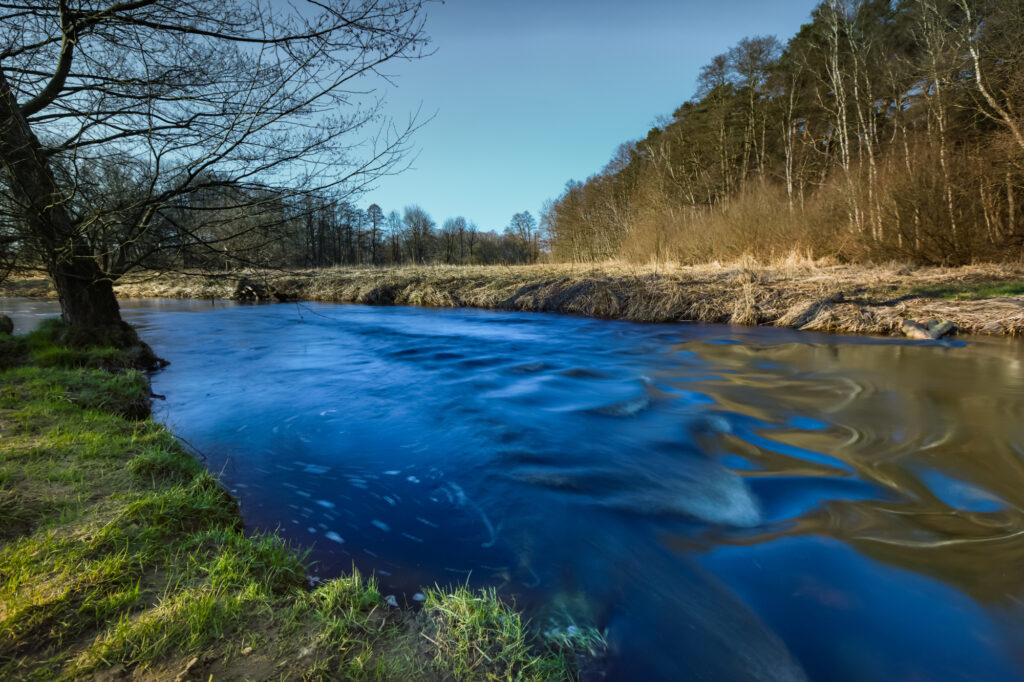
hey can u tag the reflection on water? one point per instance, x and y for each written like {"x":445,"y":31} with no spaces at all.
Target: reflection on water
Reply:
{"x":727,"y":503}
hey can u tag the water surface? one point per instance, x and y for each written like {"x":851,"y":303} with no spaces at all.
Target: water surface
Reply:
{"x":726,"y":503}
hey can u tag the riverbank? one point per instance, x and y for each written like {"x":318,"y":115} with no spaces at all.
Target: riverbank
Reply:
{"x":122,"y":557}
{"x":850,"y":299}
{"x":978,"y":299}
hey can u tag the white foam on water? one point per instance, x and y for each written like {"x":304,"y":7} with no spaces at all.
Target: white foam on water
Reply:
{"x":721,"y":424}
{"x":460,"y":494}
{"x":626,"y":408}
{"x":709,"y":492}
{"x":462,"y":499}
{"x":447,"y":493}
{"x":723,"y":498}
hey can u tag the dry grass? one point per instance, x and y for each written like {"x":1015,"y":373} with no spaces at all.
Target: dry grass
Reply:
{"x":794,"y":292}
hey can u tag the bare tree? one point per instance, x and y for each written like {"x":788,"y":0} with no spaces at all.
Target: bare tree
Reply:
{"x":451,"y":239}
{"x":419,"y":233}
{"x":375,"y":216}
{"x":395,"y":230}
{"x":522,"y":235}
{"x":185,"y":96}
{"x":1002,"y":113}
{"x":751,"y":60}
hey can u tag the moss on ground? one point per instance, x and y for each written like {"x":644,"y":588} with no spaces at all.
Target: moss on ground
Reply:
{"x":971,"y":291}
{"x":120,"y":555}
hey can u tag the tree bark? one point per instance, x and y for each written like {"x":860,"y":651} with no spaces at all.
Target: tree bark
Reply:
{"x":86,"y":294}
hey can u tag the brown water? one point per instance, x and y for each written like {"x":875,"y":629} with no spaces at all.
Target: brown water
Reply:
{"x":724,"y":503}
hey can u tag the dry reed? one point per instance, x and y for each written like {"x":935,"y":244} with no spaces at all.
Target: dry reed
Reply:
{"x":791,"y":292}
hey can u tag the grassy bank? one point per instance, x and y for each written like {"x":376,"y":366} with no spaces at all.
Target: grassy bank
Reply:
{"x":121,"y":556}
{"x":794,"y":293}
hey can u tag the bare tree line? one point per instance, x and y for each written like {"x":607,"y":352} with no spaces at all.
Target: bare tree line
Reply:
{"x":317,"y":231}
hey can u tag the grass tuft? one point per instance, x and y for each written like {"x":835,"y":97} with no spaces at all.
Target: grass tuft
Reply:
{"x":477,"y":636}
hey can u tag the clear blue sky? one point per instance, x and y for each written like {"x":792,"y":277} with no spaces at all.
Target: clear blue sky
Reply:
{"x":531,"y":93}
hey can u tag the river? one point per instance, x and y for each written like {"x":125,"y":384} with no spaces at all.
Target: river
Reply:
{"x":724,"y":502}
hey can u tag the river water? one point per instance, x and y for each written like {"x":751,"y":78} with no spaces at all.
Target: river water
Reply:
{"x":723,"y":502}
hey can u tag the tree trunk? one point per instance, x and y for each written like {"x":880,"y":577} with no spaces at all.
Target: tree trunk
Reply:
{"x":86,"y":295}
{"x":87,"y":301}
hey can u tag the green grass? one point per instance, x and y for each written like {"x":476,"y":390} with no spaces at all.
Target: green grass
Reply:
{"x":475,"y":636}
{"x":971,"y":291}
{"x":55,"y":344}
{"x":119,"y":549}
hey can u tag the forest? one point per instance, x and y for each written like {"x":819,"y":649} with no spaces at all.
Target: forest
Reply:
{"x":880,"y":131}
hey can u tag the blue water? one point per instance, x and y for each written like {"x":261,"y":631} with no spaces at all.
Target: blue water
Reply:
{"x":724,"y":503}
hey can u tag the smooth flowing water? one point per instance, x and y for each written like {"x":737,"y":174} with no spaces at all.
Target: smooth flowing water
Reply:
{"x":726,"y":503}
